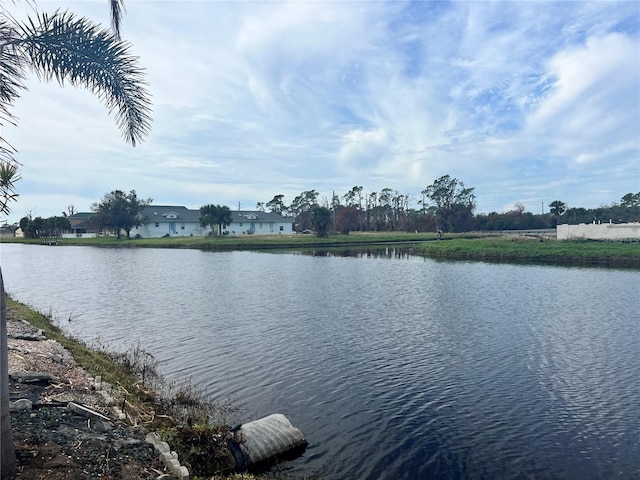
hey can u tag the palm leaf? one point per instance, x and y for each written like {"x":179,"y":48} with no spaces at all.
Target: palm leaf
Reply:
{"x":12,"y":71}
{"x":8,"y":177}
{"x":117,"y":6}
{"x":66,"y":48}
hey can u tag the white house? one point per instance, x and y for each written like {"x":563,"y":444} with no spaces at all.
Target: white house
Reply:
{"x":81,"y":226}
{"x":172,"y":221}
{"x":246,"y":222}
{"x":177,"y":221}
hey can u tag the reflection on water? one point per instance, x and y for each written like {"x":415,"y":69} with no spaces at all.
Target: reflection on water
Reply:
{"x":393,"y":366}
{"x":377,"y":252}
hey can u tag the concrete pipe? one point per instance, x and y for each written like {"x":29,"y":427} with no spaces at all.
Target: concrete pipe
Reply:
{"x":264,"y":440}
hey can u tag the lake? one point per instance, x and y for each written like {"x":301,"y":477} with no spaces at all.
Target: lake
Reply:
{"x":393,"y":366}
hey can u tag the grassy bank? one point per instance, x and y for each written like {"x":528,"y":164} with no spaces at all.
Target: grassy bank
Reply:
{"x":180,"y":413}
{"x":94,"y":361}
{"x":247,"y":242}
{"x":531,"y":249}
{"x":473,"y":245}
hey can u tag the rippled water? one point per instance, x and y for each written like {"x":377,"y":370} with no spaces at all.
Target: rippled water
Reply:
{"x":393,"y":366}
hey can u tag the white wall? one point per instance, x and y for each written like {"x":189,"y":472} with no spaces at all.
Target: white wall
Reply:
{"x":190,"y":228}
{"x":79,"y":235}
{"x":260,"y":228}
{"x":151,"y":231}
{"x":596,"y":231}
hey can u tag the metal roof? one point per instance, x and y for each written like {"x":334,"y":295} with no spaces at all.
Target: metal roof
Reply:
{"x":174,"y":213}
{"x":255,"y":216}
{"x":170,"y":214}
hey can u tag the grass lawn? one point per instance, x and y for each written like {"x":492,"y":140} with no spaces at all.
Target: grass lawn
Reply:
{"x":245,"y":242}
{"x":531,"y":249}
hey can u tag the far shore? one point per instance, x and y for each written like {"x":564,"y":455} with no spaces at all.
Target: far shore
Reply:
{"x":527,"y":246}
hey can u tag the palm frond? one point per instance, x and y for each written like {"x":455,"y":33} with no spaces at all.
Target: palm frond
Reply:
{"x":8,"y":177}
{"x":12,"y":69}
{"x":117,"y":7}
{"x":64,"y":47}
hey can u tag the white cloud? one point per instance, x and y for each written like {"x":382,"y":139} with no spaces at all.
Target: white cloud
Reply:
{"x":587,"y":111}
{"x":364,"y":148}
{"x":253,"y":99}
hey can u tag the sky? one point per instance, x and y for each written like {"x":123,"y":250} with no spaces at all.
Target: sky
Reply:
{"x":527,"y":102}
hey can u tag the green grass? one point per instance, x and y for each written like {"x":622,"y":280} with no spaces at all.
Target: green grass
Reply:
{"x":474,"y":245}
{"x":531,"y":249}
{"x":246,"y":242}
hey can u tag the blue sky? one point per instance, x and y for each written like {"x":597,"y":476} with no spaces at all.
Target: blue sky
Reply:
{"x":528,"y":102}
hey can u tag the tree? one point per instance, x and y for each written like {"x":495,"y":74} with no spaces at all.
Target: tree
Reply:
{"x":301,"y":206}
{"x":8,"y":177}
{"x":120,"y":211}
{"x":71,"y":209}
{"x":24,"y":225}
{"x":346,"y":219}
{"x":353,"y":198}
{"x":54,"y":226}
{"x":276,"y":205}
{"x":58,"y":46}
{"x":321,"y":220}
{"x":372,"y":200}
{"x":44,"y":227}
{"x":215,"y":215}
{"x":454,"y":203}
{"x":557,"y":208}
{"x":62,"y":47}
{"x":224,"y":218}
{"x":208,"y":217}
{"x":630,"y":200}
{"x":518,"y":209}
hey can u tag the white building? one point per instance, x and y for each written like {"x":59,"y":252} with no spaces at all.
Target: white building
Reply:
{"x":174,"y":221}
{"x":599,"y":231}
{"x":259,"y":223}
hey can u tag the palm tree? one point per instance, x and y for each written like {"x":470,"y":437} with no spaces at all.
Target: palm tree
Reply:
{"x":66,"y":48}
{"x":215,"y":215}
{"x":321,"y":220}
{"x":224,"y":218}
{"x":557,"y":208}
{"x":209,"y":217}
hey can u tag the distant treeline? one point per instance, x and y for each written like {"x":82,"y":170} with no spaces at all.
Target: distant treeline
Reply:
{"x":446,"y":206}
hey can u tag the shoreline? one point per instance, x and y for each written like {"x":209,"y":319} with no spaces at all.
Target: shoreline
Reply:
{"x":583,"y":253}
{"x":70,"y":372}
{"x":529,"y":247}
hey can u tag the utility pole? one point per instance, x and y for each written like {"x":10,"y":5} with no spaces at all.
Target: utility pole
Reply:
{"x":542,"y":208}
{"x":333,"y":208}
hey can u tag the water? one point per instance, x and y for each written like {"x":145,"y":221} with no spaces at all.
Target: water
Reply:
{"x":394,"y":367}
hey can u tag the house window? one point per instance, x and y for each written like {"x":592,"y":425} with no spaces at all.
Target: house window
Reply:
{"x":240,"y":223}
{"x":182,"y":227}
{"x":281,"y":228}
{"x":157,"y":224}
